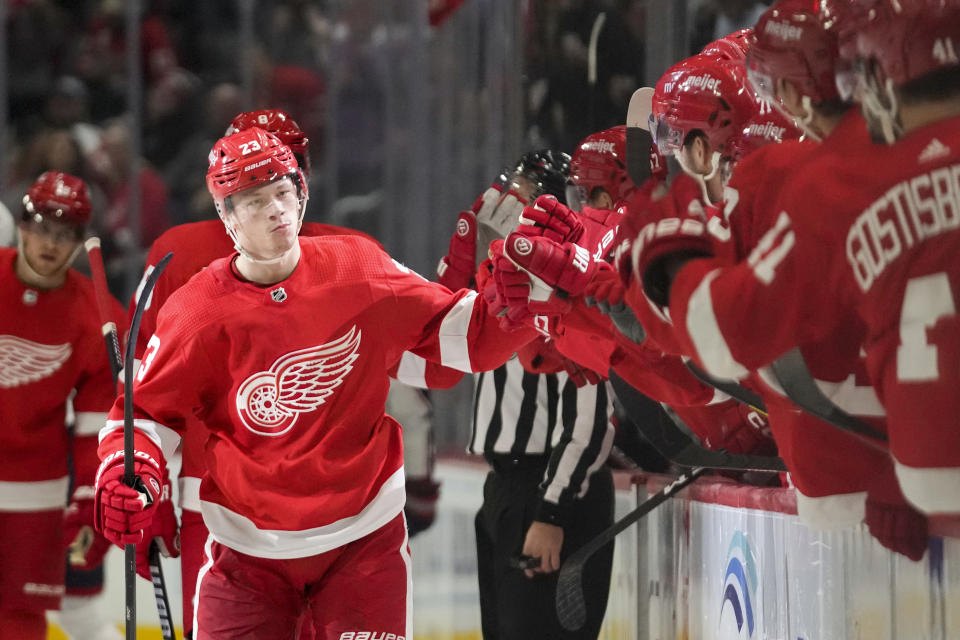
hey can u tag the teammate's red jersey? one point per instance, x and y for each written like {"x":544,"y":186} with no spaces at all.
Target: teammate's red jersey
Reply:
{"x":50,"y":345}
{"x":289,"y":381}
{"x":715,"y":318}
{"x":724,"y":314}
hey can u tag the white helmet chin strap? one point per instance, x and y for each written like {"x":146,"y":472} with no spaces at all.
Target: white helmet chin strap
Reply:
{"x":699,"y":177}
{"x":885,"y":115}
{"x":247,"y":255}
{"x":804,"y":122}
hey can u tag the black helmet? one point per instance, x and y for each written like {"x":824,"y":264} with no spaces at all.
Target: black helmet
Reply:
{"x":548,"y":170}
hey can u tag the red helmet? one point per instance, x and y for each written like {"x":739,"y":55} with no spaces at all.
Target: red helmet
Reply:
{"x":734,"y":46}
{"x":908,"y":38}
{"x":280,"y":124}
{"x":767,"y":126}
{"x":246,"y":159}
{"x":59,"y":196}
{"x":600,"y":161}
{"x":703,"y":94}
{"x":791,"y":42}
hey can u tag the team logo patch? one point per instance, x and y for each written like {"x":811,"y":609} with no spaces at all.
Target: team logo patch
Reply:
{"x":463,"y":227}
{"x":269,"y":402}
{"x":30,"y":297}
{"x":278,"y":294}
{"x":23,"y":361}
{"x":522,"y":246}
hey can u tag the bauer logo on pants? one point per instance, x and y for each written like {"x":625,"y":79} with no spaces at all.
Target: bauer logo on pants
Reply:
{"x":269,"y":402}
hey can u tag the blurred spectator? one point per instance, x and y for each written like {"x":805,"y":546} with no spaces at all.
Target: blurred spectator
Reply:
{"x":101,"y":60}
{"x":68,"y":106}
{"x":171,"y":108}
{"x":717,"y":18}
{"x":38,"y":35}
{"x":114,"y":165}
{"x":184,"y":174}
{"x":565,"y":107}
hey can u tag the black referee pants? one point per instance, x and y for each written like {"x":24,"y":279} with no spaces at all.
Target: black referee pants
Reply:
{"x":512,"y":606}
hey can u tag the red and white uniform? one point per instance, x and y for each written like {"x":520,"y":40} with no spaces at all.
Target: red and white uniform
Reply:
{"x":588,"y":337}
{"x":196,"y":245}
{"x":869,"y":233}
{"x":50,"y":346}
{"x":290,"y":383}
{"x":831,"y":471}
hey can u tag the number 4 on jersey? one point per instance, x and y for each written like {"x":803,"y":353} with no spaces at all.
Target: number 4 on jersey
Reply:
{"x":925,"y":301}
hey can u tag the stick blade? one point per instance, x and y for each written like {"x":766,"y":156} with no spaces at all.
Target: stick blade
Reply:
{"x":638,"y":137}
{"x":570,"y":603}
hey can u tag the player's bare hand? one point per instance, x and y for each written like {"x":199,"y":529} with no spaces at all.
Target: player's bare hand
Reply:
{"x":543,"y":541}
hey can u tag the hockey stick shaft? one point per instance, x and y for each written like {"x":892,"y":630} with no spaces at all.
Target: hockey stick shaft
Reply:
{"x":675,"y":445}
{"x":570,"y":602}
{"x":793,"y":375}
{"x":108,"y":326}
{"x":738,"y":392}
{"x":130,"y":554}
{"x":111,"y":338}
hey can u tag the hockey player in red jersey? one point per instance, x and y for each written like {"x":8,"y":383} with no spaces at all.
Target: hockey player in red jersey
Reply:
{"x":720,"y":310}
{"x":304,"y":485}
{"x":195,"y":245}
{"x":600,"y":185}
{"x":51,"y":346}
{"x":888,"y":251}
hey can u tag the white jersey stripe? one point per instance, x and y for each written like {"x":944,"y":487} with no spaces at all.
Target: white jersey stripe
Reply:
{"x":241,"y":534}
{"x":412,"y":370}
{"x":34,"y":496}
{"x":190,"y":493}
{"x":454,"y":349}
{"x":164,"y":437}
{"x":706,"y":335}
{"x":89,"y":423}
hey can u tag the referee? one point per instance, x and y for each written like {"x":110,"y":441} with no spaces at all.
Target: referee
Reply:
{"x":547,"y":494}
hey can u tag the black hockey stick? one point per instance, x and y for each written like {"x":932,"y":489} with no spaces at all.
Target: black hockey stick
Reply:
{"x":676,"y":446}
{"x":116,"y":365}
{"x":571,"y":605}
{"x":793,"y":375}
{"x":130,"y":553}
{"x":738,"y":392}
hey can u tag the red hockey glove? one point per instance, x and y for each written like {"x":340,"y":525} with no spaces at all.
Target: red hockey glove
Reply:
{"x":122,"y":513}
{"x":566,"y":267}
{"x":606,"y":292}
{"x":512,"y":290}
{"x":548,"y":218}
{"x":421,"y":508}
{"x":892,"y":520}
{"x":581,"y":376}
{"x":456,"y":269}
{"x":163,"y":528}
{"x":85,"y":547}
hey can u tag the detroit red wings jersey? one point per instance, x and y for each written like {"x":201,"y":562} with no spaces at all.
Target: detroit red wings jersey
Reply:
{"x":724,"y":316}
{"x":290,"y":382}
{"x":50,"y":345}
{"x":194,"y":246}
{"x":890,"y":253}
{"x":731,"y":318}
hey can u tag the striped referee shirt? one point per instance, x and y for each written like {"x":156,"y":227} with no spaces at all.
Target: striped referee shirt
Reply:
{"x":517,"y":413}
